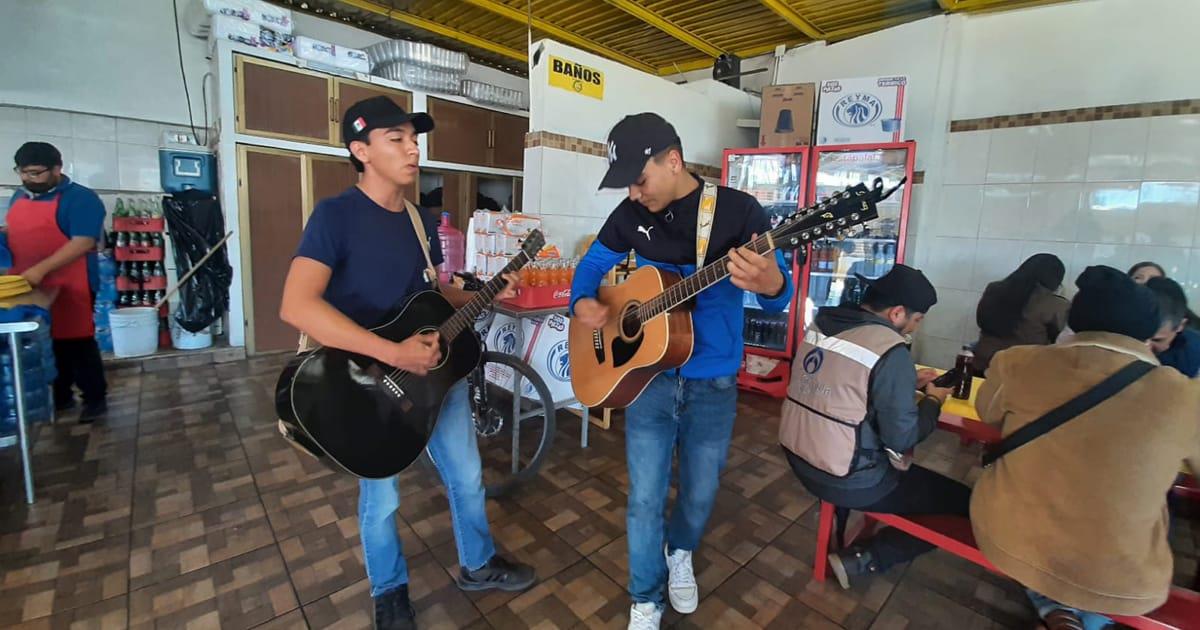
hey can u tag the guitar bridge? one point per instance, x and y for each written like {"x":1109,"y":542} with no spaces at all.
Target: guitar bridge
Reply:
{"x":598,"y":345}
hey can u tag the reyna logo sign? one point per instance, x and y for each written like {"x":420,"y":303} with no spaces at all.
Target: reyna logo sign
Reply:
{"x":576,"y":77}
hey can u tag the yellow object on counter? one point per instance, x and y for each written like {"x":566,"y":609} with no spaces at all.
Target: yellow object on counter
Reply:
{"x":961,"y":408}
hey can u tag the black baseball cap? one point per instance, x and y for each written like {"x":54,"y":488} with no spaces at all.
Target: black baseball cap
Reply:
{"x":379,"y":112}
{"x":631,"y":143}
{"x":904,"y":286}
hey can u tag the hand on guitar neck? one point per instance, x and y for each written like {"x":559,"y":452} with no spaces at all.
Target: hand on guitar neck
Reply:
{"x":753,"y":272}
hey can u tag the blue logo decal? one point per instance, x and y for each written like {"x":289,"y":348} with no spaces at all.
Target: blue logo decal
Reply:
{"x":506,"y":338}
{"x":813,"y":360}
{"x":558,"y":362}
{"x":857,"y":110}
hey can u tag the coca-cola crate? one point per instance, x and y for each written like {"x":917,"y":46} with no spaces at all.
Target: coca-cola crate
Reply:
{"x":139,"y":224}
{"x":153,"y":283}
{"x":541,"y":297}
{"x":134,"y":253}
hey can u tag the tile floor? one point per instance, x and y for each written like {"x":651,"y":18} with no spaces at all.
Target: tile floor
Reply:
{"x":186,"y":509}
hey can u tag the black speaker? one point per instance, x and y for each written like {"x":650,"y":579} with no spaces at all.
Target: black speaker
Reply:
{"x":727,"y":69}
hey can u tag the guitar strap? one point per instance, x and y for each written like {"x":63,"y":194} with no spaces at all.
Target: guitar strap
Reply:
{"x":430,"y":271}
{"x":704,"y":220}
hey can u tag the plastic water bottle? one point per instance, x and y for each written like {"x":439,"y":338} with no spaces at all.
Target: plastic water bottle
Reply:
{"x":454,"y":249}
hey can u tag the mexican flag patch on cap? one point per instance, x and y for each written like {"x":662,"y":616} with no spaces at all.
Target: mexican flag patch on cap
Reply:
{"x":359,"y":124}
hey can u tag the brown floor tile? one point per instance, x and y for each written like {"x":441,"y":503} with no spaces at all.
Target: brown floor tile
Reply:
{"x":278,"y":465}
{"x":85,"y":516}
{"x":349,"y":608}
{"x":171,"y":548}
{"x":303,"y":507}
{"x":324,"y":560}
{"x":522,"y":538}
{"x":770,"y":485}
{"x":181,"y":478}
{"x":104,"y":615}
{"x":966,"y":583}
{"x":583,"y":529}
{"x":613,"y":560}
{"x":37,"y":585}
{"x":914,"y":606}
{"x":241,"y":592}
{"x":291,"y":621}
{"x":739,"y":528}
{"x":743,"y":601}
{"x":580,"y":593}
{"x":712,"y":569}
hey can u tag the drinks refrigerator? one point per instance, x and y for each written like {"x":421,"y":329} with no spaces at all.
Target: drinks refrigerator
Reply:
{"x":831,"y":276}
{"x":778,"y":178}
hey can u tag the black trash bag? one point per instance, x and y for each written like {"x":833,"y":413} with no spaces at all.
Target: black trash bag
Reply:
{"x":195,"y":223}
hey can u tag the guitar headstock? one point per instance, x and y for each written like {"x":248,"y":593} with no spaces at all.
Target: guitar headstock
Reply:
{"x":533,"y":243}
{"x":833,"y":216}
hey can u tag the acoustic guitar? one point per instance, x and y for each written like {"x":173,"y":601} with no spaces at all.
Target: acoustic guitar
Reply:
{"x":647,"y":333}
{"x":371,"y":419}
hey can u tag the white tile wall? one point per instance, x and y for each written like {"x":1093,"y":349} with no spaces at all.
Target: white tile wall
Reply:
{"x":12,"y":120}
{"x":1111,"y":192}
{"x":137,"y":167}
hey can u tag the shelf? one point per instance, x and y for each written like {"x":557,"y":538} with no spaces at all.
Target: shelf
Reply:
{"x":765,"y":347}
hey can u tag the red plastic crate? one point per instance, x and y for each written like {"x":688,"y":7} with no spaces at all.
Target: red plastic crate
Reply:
{"x":541,"y":297}
{"x":136,"y":254}
{"x":125,"y":283}
{"x":138,"y":224}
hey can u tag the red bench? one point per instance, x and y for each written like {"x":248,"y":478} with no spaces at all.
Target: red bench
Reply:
{"x":953,"y":533}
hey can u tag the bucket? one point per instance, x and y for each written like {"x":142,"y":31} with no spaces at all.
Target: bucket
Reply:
{"x":134,"y":331}
{"x":184,"y":340}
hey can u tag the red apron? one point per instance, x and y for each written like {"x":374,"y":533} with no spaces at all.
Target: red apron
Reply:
{"x":33,"y":235}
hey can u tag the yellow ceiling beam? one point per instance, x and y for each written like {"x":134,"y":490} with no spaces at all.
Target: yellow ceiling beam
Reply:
{"x":560,"y":33}
{"x":702,"y":63}
{"x":667,"y":26}
{"x":991,"y":5}
{"x":783,"y":10}
{"x":441,"y":29}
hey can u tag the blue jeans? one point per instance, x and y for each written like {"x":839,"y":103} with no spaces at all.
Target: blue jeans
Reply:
{"x":695,"y":415}
{"x":456,"y":456}
{"x":1045,"y":606}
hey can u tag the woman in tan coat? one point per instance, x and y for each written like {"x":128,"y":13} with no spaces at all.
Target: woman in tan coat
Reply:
{"x":1078,"y":515}
{"x":1022,"y":309}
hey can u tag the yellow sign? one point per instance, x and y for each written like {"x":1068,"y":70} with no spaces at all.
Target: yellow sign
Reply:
{"x":576,"y":77}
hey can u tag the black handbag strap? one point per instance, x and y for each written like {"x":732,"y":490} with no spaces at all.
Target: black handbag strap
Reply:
{"x":1058,"y":416}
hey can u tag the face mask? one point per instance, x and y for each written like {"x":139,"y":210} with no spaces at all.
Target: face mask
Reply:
{"x":39,"y":187}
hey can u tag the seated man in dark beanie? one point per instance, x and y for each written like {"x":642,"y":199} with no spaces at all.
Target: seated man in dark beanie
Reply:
{"x":852,"y":411}
{"x":1077,"y":512}
{"x":53,"y":224}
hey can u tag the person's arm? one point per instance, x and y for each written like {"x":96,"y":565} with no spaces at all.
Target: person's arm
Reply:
{"x":609,"y":248}
{"x":989,"y":402}
{"x":902,"y":423}
{"x":458,"y":297}
{"x":779,"y":301}
{"x":71,"y":251}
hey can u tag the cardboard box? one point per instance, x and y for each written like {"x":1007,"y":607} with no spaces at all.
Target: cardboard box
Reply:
{"x":787,"y":115}
{"x":861,"y":111}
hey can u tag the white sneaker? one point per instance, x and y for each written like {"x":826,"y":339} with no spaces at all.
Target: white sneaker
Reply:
{"x":645,"y":616}
{"x":681,"y":583}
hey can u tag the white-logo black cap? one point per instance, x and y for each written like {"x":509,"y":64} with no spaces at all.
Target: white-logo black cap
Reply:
{"x":631,"y":143}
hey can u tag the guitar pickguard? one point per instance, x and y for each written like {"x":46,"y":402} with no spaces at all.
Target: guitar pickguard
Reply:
{"x":624,"y":351}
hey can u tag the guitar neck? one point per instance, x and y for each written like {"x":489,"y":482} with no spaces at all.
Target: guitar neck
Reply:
{"x":690,"y":286}
{"x":465,"y":317}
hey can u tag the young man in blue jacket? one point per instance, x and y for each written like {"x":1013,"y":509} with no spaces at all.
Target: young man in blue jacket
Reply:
{"x":691,"y":408}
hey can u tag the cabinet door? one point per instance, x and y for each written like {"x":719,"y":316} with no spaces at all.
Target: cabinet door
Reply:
{"x":462,"y":133}
{"x":283,"y":102}
{"x":508,"y":140}
{"x":271,"y":198}
{"x":350,"y":92}
{"x":518,"y":193}
{"x":328,"y":177}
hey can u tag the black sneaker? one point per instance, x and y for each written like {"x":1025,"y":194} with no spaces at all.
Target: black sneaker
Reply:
{"x":851,"y":561}
{"x":394,"y":612}
{"x":93,"y":411}
{"x":498,"y":573}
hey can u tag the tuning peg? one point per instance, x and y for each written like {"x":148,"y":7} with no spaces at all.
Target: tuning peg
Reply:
{"x":854,"y":216}
{"x":842,"y":221}
{"x":816,"y":231}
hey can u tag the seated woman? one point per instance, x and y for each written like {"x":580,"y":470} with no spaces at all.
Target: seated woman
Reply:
{"x":1077,"y":515}
{"x":1143,"y":271}
{"x":1021,"y":309}
{"x":1176,"y":344}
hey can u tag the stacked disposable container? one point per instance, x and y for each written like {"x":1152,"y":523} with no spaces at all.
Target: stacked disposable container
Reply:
{"x":419,"y":65}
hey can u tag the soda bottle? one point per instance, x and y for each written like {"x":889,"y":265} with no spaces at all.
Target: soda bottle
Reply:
{"x":119,"y":210}
{"x":122,"y":239}
{"x":963,"y":364}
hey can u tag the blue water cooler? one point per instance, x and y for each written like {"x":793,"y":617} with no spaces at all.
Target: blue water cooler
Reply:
{"x":182,"y":165}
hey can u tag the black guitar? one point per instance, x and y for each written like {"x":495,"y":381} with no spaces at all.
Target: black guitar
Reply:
{"x":371,"y":419}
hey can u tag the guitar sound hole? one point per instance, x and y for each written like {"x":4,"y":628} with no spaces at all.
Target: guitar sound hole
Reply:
{"x":631,"y":326}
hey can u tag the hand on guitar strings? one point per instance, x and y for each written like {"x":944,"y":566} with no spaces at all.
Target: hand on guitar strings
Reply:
{"x":591,"y":313}
{"x":510,"y":288}
{"x":753,"y":272}
{"x":418,"y":354}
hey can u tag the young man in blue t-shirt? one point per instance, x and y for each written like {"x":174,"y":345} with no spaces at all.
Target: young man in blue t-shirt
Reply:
{"x":690,"y":409}
{"x":358,"y":260}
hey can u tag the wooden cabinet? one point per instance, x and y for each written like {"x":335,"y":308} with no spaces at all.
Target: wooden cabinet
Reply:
{"x":328,"y":176}
{"x":461,"y":134}
{"x":466,"y":134}
{"x":508,"y":141}
{"x":271,"y":197}
{"x":518,"y":194}
{"x":280,"y":101}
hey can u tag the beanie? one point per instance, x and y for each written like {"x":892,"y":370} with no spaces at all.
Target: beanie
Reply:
{"x":1110,"y":301}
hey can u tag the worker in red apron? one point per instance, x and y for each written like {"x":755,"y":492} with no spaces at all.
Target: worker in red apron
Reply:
{"x":53,"y":225}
